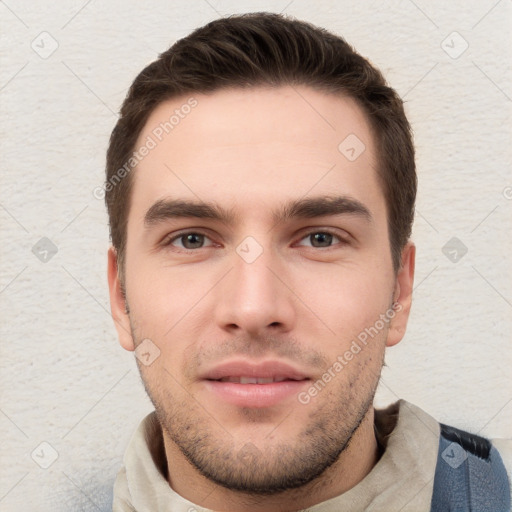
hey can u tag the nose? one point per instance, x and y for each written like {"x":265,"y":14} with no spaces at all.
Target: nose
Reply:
{"x":254,"y":299}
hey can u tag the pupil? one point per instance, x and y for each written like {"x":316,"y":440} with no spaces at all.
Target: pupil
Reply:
{"x":323,"y":238}
{"x":193,"y":239}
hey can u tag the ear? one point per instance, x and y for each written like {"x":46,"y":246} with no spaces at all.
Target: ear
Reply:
{"x":118,"y":303}
{"x":402,"y":295}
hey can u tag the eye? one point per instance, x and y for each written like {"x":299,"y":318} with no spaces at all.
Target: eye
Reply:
{"x":320,"y":239}
{"x":188,"y":241}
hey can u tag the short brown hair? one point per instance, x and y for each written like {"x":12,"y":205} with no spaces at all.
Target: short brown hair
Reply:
{"x":267,"y":49}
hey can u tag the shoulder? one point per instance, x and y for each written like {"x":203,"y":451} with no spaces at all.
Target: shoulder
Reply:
{"x":470,"y":473}
{"x":504,"y":447}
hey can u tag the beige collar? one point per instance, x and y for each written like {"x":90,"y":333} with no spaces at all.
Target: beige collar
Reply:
{"x":402,"y":480}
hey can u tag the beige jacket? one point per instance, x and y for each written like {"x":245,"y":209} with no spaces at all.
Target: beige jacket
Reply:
{"x":402,"y":480}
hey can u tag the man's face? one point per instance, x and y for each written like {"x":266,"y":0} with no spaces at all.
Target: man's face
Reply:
{"x":269,"y":292}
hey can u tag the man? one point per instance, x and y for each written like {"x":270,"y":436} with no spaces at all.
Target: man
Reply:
{"x":260,"y":188}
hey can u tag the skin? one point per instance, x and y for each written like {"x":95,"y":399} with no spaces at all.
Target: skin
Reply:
{"x":303,"y":300}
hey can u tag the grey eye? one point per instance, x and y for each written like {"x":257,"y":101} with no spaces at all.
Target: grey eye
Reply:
{"x":190,"y":240}
{"x":320,"y":239}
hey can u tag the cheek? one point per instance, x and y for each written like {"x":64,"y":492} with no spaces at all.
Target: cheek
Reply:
{"x":159,"y":295}
{"x":347,"y":299}
{"x":170,"y":307}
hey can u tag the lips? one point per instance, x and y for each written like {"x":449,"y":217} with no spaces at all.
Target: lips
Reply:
{"x":248,"y":384}
{"x":253,"y":380}
{"x":275,"y":370}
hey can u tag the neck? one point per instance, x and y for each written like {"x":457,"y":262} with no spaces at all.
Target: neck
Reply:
{"x":352,"y":466}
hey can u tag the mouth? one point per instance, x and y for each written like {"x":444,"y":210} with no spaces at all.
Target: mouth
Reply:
{"x":254,"y":380}
{"x":246,"y":384}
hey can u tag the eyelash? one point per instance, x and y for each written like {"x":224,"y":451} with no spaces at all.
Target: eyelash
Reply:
{"x":168,"y":241}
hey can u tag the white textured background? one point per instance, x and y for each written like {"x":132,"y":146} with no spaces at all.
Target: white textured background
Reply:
{"x":64,"y":379}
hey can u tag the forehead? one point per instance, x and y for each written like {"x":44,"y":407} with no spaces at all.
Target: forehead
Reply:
{"x":253,"y":148}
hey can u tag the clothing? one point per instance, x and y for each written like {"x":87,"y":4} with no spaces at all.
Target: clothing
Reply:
{"x":469,"y":474}
{"x":424,"y":465}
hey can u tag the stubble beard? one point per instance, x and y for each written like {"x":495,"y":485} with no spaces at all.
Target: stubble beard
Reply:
{"x":266,"y":468}
{"x":261,"y":470}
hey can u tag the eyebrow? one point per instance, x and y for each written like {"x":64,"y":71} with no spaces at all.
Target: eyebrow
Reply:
{"x":307,"y":208}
